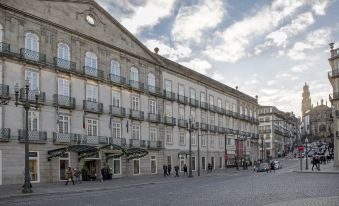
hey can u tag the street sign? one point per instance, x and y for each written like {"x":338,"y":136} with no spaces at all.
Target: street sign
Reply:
{"x":300,"y":148}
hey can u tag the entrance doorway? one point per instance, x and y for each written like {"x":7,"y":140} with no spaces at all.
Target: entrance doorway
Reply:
{"x":34,"y":169}
{"x":63,"y":165}
{"x":91,"y":170}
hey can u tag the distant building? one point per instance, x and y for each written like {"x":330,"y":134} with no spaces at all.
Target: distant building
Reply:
{"x":321,"y":121}
{"x":306,"y":100}
{"x":333,"y":77}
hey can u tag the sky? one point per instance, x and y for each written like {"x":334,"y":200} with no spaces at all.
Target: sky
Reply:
{"x":266,"y":48}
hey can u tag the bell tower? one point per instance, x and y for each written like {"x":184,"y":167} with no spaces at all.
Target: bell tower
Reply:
{"x":306,"y":100}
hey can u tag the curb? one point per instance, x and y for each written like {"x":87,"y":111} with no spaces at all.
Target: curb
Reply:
{"x":312,"y":172}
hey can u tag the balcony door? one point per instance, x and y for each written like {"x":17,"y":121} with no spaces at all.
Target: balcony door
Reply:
{"x":63,"y":87}
{"x":168,"y":85}
{"x":32,"y":42}
{"x":92,"y":127}
{"x":153,"y":134}
{"x":116,"y":99}
{"x":63,"y":124}
{"x":33,"y":121}
{"x":33,"y":78}
{"x":91,"y":93}
{"x":63,"y":52}
{"x":135,"y":103}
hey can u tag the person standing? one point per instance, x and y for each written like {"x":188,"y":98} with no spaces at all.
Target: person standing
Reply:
{"x":176,"y":169}
{"x":69,"y":175}
{"x":77,"y":175}
{"x":165,"y":170}
{"x":185,"y":169}
{"x":169,"y":169}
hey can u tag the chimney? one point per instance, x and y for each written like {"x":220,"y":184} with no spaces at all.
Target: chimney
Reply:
{"x":156,"y":50}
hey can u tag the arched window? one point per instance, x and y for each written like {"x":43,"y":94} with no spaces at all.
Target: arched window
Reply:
{"x":115,"y":68}
{"x":151,"y":79}
{"x":63,"y":51}
{"x":32,"y":42}
{"x":1,"y":33}
{"x":134,"y":74}
{"x":91,"y":60}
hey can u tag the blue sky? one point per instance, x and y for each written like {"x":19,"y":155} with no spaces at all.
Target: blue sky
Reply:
{"x":266,"y":48}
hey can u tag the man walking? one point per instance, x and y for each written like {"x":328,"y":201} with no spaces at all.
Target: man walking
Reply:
{"x":185,"y":170}
{"x":165,"y":170}
{"x":69,"y":175}
{"x":169,"y":169}
{"x":176,"y":168}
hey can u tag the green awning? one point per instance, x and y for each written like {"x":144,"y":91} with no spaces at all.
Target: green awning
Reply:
{"x":184,"y":153}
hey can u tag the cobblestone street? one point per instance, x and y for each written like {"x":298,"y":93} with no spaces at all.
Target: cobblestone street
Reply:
{"x":284,"y":187}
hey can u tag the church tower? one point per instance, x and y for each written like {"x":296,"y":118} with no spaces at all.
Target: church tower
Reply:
{"x":306,"y":101}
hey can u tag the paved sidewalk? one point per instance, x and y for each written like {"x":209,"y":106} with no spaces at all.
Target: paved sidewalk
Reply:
{"x":324,"y":169}
{"x":12,"y":191}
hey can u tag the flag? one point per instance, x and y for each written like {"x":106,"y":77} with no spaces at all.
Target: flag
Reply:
{"x":110,"y":121}
{"x":127,"y":126}
{"x":84,"y":122}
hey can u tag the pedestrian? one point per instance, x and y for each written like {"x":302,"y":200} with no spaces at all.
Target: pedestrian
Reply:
{"x":176,"y":169}
{"x":237,"y":165}
{"x":185,"y":169}
{"x":169,"y":169}
{"x":165,"y":170}
{"x":69,"y":175}
{"x":77,"y":175}
{"x":272,"y":166}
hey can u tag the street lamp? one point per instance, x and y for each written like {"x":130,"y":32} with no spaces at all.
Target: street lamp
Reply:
{"x":190,"y":147}
{"x":24,"y":101}
{"x":306,"y":154}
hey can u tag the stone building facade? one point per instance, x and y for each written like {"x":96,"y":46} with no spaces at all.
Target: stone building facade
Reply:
{"x":320,"y":123}
{"x":100,"y":87}
{"x":333,"y":77}
{"x":277,"y":132}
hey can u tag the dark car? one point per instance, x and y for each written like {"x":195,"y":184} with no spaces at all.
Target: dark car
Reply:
{"x":263,"y":167}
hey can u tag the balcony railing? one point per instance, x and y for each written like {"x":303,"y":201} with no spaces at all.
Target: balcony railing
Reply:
{"x":136,"y":85}
{"x":229,"y":131}
{"x":334,"y":53}
{"x":195,"y":125}
{"x":204,"y":105}
{"x":154,"y":90}
{"x":169,"y":95}
{"x":66,"y":138}
{"x":212,"y":108}
{"x":4,"y":47}
{"x":222,"y":130}
{"x":182,"y":99}
{"x":221,"y":110}
{"x":235,"y":114}
{"x":193,"y":102}
{"x":93,"y":72}
{"x":115,"y":79}
{"x":118,"y":141}
{"x":335,"y":95}
{"x":137,"y":115}
{"x":155,"y":118}
{"x":154,"y":144}
{"x":170,"y":121}
{"x":64,"y":101}
{"x":91,"y":106}
{"x":333,"y":73}
{"x":203,"y":126}
{"x":5,"y":134}
{"x":33,"y":56}
{"x":4,"y":91}
{"x":32,"y":97}
{"x":65,"y":65}
{"x":137,"y":143}
{"x":117,"y":111}
{"x":182,"y":123}
{"x":95,"y":140}
{"x":213,"y":128}
{"x":38,"y":137}
{"x":229,"y":113}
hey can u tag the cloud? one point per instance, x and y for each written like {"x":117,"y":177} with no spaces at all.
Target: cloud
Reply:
{"x":139,"y":15}
{"x":201,"y":66}
{"x":174,"y":53}
{"x":314,"y":40}
{"x":319,"y":6}
{"x":280,"y":37}
{"x":230,"y":44}
{"x":217,"y":76}
{"x":300,"y":68}
{"x":192,"y":20}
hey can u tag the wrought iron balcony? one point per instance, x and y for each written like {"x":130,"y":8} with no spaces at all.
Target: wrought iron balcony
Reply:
{"x":64,"y":101}
{"x":33,"y":96}
{"x":193,"y":102}
{"x":155,"y":118}
{"x":237,"y":132}
{"x":4,"y":91}
{"x":204,"y":105}
{"x":154,"y":90}
{"x":33,"y":56}
{"x":136,"y":85}
{"x":94,"y":107}
{"x":335,"y":53}
{"x":182,"y":123}
{"x":235,"y":114}
{"x":229,"y":113}
{"x":64,"y":65}
{"x":203,"y":127}
{"x":94,"y":72}
{"x":333,"y":73}
{"x":212,"y":108}
{"x":137,"y":115}
{"x":66,"y":138}
{"x":4,"y":47}
{"x":117,"y":111}
{"x":170,"y":121}
{"x":169,"y":95}
{"x":229,"y":131}
{"x":137,"y":143}
{"x":182,"y":99}
{"x":195,"y":125}
{"x":213,"y":128}
{"x":95,"y":140}
{"x":38,"y":137}
{"x":5,"y":134}
{"x":154,"y":144}
{"x":221,"y":110}
{"x":222,"y":130}
{"x":118,"y":141}
{"x":115,"y":79}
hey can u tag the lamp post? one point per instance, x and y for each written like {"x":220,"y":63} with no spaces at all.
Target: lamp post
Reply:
{"x":306,"y":154}
{"x":24,"y":101}
{"x":190,"y":148}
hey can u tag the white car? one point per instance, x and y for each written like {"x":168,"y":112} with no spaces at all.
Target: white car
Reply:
{"x":277,"y":165}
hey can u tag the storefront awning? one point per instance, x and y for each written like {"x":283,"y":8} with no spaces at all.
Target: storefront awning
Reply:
{"x":184,"y":153}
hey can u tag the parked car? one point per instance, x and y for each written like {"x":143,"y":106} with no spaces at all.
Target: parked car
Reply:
{"x":277,"y":165}
{"x":263,"y":167}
